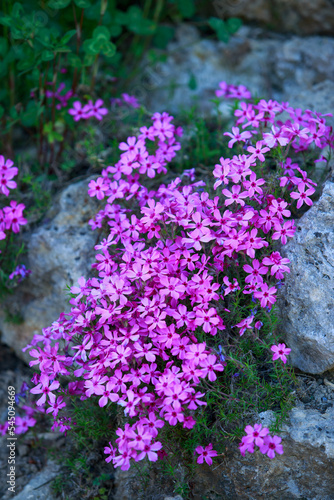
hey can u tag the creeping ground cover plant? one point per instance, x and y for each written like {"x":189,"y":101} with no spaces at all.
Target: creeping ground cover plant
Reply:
{"x":11,"y":220}
{"x":185,"y":271}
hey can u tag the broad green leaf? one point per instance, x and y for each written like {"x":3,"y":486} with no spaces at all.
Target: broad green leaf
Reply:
{"x":163,"y":35}
{"x":93,"y":12}
{"x":220,"y":28}
{"x":17,"y":10}
{"x":88,"y":47}
{"x":58,"y":137}
{"x":115,"y":30}
{"x":14,"y":114}
{"x":233,"y":24}
{"x":223,"y":35}
{"x":1,"y":111}
{"x":104,"y":46}
{"x":101,"y":32}
{"x":97,"y":46}
{"x":47,"y":55}
{"x":30,"y":114}
{"x":109,"y":50}
{"x":186,"y":7}
{"x":137,"y":23}
{"x":216,"y":23}
{"x":120,"y":17}
{"x":67,"y":37}
{"x":5,"y":20}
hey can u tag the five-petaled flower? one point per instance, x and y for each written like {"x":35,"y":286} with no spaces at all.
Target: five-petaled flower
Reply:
{"x":205,"y":454}
{"x":280,"y":352}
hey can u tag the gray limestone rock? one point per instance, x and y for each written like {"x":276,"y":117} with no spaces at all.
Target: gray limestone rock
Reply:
{"x":304,"y":17}
{"x":38,"y":487}
{"x":60,"y":250}
{"x":307,"y":302}
{"x":304,"y":471}
{"x":287,"y":68}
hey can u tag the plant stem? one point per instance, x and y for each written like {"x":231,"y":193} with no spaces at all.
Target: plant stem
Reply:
{"x":78,"y":27}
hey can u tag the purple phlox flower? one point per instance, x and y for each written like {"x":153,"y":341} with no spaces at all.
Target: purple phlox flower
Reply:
{"x":20,"y":271}
{"x":280,"y":351}
{"x":222,"y":357}
{"x":205,"y":454}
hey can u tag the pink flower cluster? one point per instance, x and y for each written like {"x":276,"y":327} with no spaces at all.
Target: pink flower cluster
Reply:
{"x":89,"y":110}
{"x":22,"y":424}
{"x":131,"y":335}
{"x":258,"y":436}
{"x":127,"y":99}
{"x":233,"y":91}
{"x":7,"y":172}
{"x":11,"y":217}
{"x":63,"y":99}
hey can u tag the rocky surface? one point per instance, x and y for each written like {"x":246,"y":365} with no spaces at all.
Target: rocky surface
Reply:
{"x":39,"y":486}
{"x":30,"y":459}
{"x":304,"y":17}
{"x":287,"y":68}
{"x":304,"y":471}
{"x":307,"y":302}
{"x":60,"y":250}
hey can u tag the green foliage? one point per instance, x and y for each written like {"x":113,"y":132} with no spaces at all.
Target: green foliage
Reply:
{"x":251,"y":382}
{"x":11,"y":251}
{"x":84,"y":38}
{"x":186,"y":7}
{"x":92,"y":425}
{"x":224,"y":29}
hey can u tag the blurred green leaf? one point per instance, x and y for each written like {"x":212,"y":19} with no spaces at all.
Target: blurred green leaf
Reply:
{"x":3,"y":46}
{"x":120,"y":17}
{"x":88,"y":59}
{"x":101,"y":32}
{"x":14,"y":114}
{"x":47,"y":55}
{"x":67,"y":37}
{"x":30,"y":115}
{"x":58,"y":4}
{"x":4,"y":95}
{"x":17,"y":10}
{"x":219,"y":27}
{"x":74,"y":60}
{"x":163,"y":35}
{"x":51,"y":134}
{"x":216,"y":23}
{"x":233,"y":24}
{"x":137,"y":23}
{"x":186,"y":7}
{"x":192,"y":83}
{"x":115,"y":30}
{"x":83,"y":4}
